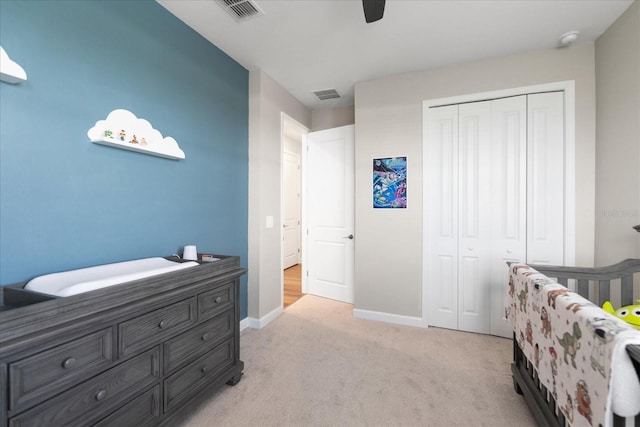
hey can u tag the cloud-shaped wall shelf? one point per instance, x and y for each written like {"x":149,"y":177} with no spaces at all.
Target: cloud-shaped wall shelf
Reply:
{"x":10,"y":71}
{"x":122,"y":129}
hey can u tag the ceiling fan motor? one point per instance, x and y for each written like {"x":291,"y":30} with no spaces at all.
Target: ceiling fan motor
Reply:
{"x":373,"y":10}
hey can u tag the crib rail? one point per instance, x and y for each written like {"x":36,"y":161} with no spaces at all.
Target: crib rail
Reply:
{"x":601,"y":277}
{"x":595,"y":284}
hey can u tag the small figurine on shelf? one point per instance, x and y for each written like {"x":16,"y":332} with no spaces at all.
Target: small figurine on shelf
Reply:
{"x":134,"y":140}
{"x":143,"y":141}
{"x":108,"y":134}
{"x":122,"y":135}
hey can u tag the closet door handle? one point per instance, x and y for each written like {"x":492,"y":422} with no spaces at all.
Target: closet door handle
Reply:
{"x":350,"y":237}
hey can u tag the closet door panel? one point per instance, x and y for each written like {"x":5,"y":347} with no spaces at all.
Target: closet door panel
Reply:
{"x":444,"y":278}
{"x":474,"y":213}
{"x":441,"y":172}
{"x":509,"y":199}
{"x":545,"y":180}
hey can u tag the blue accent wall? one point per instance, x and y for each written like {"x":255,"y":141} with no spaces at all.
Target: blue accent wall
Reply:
{"x":67,"y":203}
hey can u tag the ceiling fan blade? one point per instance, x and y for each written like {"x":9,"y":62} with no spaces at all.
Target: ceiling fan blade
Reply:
{"x":373,"y":10}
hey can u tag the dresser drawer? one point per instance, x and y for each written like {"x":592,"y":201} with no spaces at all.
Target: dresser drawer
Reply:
{"x":215,"y":301}
{"x":188,"y":380}
{"x":152,"y":328}
{"x":91,"y":398}
{"x":3,"y":393}
{"x":49,"y":372}
{"x":142,"y":411}
{"x":197,"y":341}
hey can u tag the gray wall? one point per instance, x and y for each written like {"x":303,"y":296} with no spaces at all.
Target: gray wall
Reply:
{"x":332,"y":117}
{"x":618,"y":139}
{"x":388,"y":118}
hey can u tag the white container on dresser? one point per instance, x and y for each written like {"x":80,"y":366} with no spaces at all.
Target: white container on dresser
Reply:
{"x":141,"y":353}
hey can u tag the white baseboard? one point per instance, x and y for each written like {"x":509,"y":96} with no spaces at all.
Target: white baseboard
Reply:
{"x":252,"y":322}
{"x":244,"y":323}
{"x":389,"y":318}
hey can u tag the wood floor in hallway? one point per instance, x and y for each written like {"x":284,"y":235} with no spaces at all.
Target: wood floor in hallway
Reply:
{"x":292,"y":284}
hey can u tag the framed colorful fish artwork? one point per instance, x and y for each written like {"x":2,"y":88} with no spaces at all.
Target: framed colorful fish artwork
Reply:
{"x":390,"y":183}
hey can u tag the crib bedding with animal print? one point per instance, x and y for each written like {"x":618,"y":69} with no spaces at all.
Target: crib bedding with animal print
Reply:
{"x":577,"y":349}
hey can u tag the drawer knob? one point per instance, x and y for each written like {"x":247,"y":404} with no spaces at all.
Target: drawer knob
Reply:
{"x":205,"y":336}
{"x":218,"y":300}
{"x":204,"y":369}
{"x":101,"y":394}
{"x":68,"y":362}
{"x":162,"y":324}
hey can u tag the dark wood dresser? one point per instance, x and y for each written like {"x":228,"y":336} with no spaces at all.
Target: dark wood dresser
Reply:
{"x":140,"y":353}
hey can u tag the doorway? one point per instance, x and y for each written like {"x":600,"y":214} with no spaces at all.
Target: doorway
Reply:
{"x":317,"y":211}
{"x":292,"y":134}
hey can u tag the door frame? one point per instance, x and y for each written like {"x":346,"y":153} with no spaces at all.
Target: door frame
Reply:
{"x":286,"y":123}
{"x":568,"y":87}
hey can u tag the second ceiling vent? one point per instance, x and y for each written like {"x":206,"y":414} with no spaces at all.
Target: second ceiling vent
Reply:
{"x":241,"y":10}
{"x":326,"y":94}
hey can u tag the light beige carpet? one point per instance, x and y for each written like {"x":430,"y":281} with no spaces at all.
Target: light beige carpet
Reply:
{"x":318,"y":366}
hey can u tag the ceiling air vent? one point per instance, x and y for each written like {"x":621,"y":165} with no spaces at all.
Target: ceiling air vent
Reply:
{"x":241,"y":10}
{"x":326,"y":94}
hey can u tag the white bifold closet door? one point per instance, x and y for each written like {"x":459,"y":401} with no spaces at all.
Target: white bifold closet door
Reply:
{"x":493,"y":195}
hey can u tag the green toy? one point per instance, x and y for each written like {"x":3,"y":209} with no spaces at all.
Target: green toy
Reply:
{"x":628,"y":313}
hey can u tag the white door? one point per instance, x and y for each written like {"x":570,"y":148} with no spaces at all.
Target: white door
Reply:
{"x":509,"y":200}
{"x":441,"y":174}
{"x":545,"y":180}
{"x":494,"y":190}
{"x":474,"y":216}
{"x":330,"y":213}
{"x":459,"y":216}
{"x":291,"y":210}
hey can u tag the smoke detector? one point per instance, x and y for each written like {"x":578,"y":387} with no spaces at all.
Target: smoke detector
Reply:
{"x":567,"y":39}
{"x":241,"y":10}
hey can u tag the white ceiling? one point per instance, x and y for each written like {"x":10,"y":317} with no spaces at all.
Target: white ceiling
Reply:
{"x":309,"y":45}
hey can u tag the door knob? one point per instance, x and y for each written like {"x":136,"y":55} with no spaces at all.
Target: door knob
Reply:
{"x":350,"y":237}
